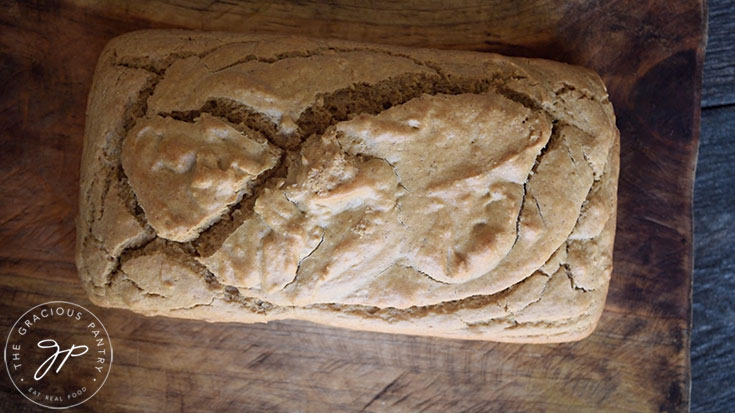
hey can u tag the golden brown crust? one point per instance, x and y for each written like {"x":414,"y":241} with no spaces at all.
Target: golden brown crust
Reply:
{"x":415,"y":191}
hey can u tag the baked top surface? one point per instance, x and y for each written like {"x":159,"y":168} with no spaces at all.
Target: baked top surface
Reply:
{"x":251,"y":178}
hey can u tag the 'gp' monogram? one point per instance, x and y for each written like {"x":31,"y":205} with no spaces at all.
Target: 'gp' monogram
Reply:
{"x":49,"y":362}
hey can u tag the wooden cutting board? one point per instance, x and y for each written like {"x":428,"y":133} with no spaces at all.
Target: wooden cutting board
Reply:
{"x":649,"y":54}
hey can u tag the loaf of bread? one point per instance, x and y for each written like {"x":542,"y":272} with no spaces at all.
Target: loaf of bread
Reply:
{"x":251,"y":178}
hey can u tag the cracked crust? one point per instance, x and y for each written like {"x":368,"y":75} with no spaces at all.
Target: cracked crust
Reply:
{"x":252,"y":178}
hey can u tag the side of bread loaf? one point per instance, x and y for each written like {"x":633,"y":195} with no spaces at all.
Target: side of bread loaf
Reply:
{"x":250,"y":178}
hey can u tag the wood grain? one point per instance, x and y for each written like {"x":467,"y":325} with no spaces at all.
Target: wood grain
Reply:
{"x":714,"y":267}
{"x":650,"y":56}
{"x":719,"y":67}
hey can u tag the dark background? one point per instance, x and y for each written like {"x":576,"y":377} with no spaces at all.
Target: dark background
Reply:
{"x":713,"y":333}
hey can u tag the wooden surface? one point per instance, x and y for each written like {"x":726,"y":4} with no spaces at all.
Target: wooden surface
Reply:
{"x":713,"y":364}
{"x":718,"y":88}
{"x":650,"y":55}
